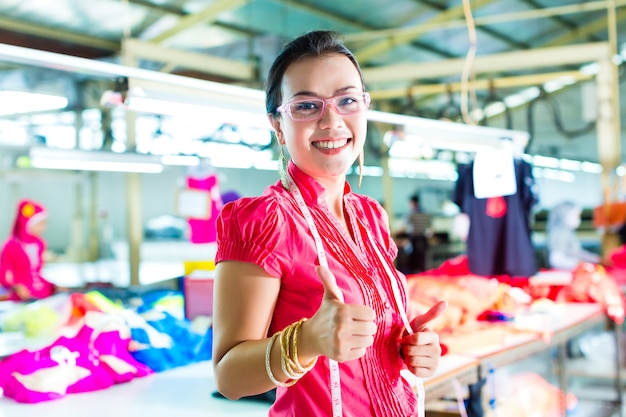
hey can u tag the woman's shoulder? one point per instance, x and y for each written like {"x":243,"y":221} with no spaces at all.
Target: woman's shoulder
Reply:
{"x":263,"y":211}
{"x":367,"y":205}
{"x":269,"y":203}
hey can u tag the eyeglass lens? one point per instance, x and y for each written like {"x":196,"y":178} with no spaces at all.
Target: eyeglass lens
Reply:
{"x":313,"y":108}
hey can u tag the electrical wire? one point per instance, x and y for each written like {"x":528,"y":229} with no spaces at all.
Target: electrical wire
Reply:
{"x":556,"y":118}
{"x":467,"y":73}
{"x":493,"y":98}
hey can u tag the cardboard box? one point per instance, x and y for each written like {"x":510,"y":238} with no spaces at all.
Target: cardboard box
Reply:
{"x":198,"y":288}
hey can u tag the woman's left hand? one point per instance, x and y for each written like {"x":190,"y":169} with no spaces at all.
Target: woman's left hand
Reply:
{"x":421,"y":350}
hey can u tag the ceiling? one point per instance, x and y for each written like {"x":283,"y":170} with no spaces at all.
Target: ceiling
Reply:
{"x":413,"y":52}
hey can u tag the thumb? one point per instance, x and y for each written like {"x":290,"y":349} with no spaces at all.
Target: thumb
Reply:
{"x":331,"y":289}
{"x":420,"y":322}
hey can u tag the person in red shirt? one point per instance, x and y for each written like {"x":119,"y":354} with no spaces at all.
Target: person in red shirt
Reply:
{"x":306,"y":296}
{"x":21,"y":258}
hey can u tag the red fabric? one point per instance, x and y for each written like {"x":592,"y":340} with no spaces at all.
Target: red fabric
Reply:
{"x":270,"y":231}
{"x":593,"y":284}
{"x":21,"y":258}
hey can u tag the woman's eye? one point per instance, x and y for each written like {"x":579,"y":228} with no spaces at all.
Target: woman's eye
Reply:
{"x":306,"y":106}
{"x":345,"y":101}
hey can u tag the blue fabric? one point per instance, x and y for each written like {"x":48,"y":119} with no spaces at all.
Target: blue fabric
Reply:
{"x":188,"y":346}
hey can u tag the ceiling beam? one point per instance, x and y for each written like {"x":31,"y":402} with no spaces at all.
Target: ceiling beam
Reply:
{"x":493,"y":33}
{"x":164,"y":9}
{"x":403,"y":32}
{"x":369,"y":52}
{"x":509,"y":61}
{"x":223,"y":67}
{"x":559,"y":19}
{"x":351,"y":23}
{"x":207,"y":15}
{"x":58,"y":35}
{"x":586,"y":30}
{"x":483,"y":84}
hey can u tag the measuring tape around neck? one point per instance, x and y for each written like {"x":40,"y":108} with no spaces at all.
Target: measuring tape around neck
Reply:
{"x":335,"y":384}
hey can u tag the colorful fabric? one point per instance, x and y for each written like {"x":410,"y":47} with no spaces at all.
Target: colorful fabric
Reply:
{"x":163,"y":342}
{"x":95,"y":358}
{"x":21,"y":258}
{"x":268,"y":230}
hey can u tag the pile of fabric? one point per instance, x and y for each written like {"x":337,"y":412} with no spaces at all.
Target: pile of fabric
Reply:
{"x":96,"y":343}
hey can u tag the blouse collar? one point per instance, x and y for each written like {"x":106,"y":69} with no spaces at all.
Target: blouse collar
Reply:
{"x":310,"y":188}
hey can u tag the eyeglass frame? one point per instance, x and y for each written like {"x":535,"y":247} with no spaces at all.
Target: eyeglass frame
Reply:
{"x":326,"y":102}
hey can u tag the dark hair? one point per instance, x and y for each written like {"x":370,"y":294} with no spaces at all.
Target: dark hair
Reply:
{"x":415,"y":199}
{"x":311,"y":44}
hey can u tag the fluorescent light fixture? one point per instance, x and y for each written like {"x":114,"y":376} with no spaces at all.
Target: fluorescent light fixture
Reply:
{"x":15,"y":102}
{"x":72,"y":159}
{"x":545,"y":161}
{"x":591,"y":167}
{"x":570,"y":164}
{"x":181,"y":160}
{"x":439,"y":134}
{"x":175,"y":108}
{"x":245,"y":105}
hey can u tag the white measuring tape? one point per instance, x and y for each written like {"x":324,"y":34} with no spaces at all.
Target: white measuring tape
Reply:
{"x":335,"y":384}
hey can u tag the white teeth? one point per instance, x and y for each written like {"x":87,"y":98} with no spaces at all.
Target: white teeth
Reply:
{"x":331,"y":144}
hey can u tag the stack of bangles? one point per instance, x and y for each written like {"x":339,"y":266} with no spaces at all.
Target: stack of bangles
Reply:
{"x":289,"y":362}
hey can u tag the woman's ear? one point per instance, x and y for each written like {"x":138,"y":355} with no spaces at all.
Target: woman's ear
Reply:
{"x":275,"y":122}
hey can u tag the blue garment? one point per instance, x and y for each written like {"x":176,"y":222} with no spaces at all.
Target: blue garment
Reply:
{"x":499,"y":239}
{"x":187,"y":346}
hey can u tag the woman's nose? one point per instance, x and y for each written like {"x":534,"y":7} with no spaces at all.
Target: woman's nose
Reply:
{"x":331,"y":116}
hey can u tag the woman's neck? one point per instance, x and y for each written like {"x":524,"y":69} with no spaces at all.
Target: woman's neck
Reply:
{"x":334,"y":196}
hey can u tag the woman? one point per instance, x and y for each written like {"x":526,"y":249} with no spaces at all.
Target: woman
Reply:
{"x":21,"y":259}
{"x":565,"y":250}
{"x":304,"y":290}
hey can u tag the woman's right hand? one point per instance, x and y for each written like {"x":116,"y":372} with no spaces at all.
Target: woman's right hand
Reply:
{"x":338,"y":330}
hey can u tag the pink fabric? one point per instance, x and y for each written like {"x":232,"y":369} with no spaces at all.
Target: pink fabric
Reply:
{"x":90,"y":361}
{"x":203,"y":230}
{"x":270,"y":231}
{"x":21,"y":258}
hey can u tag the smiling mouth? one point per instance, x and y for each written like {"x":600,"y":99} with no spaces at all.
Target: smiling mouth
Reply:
{"x":331,"y":144}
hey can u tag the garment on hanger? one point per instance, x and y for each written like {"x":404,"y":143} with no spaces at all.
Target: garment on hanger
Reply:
{"x":204,"y":178}
{"x":499,"y":238}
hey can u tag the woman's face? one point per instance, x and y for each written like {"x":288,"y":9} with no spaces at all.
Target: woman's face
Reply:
{"x":37,"y":228}
{"x":329,"y":146}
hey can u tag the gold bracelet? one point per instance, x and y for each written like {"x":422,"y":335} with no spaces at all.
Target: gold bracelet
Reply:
{"x":287,"y":365}
{"x":311,"y":364}
{"x":268,"y":366}
{"x":289,"y":352}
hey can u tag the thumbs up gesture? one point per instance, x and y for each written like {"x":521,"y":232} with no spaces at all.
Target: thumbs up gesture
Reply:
{"x":421,"y":350}
{"x":338,"y":330}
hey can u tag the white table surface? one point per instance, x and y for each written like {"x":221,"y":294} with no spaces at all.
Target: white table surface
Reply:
{"x":184,"y":391}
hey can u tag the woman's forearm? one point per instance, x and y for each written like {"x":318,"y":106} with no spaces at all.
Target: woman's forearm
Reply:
{"x":242,"y":372}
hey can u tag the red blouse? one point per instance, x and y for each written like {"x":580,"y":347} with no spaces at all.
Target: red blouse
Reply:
{"x":270,"y":231}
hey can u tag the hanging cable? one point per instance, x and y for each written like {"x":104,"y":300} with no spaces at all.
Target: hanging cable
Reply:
{"x":219,"y":136}
{"x":493,"y":98}
{"x":450,"y":110}
{"x":467,"y":73}
{"x":556,"y":118}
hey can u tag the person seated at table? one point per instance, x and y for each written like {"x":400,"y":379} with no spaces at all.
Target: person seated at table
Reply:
{"x":21,"y":258}
{"x":564,"y":248}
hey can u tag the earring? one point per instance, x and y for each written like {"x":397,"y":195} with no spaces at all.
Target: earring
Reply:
{"x":360,"y":168}
{"x":282,"y":167}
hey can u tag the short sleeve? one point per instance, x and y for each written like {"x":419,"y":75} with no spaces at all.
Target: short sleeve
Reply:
{"x":254,"y":230}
